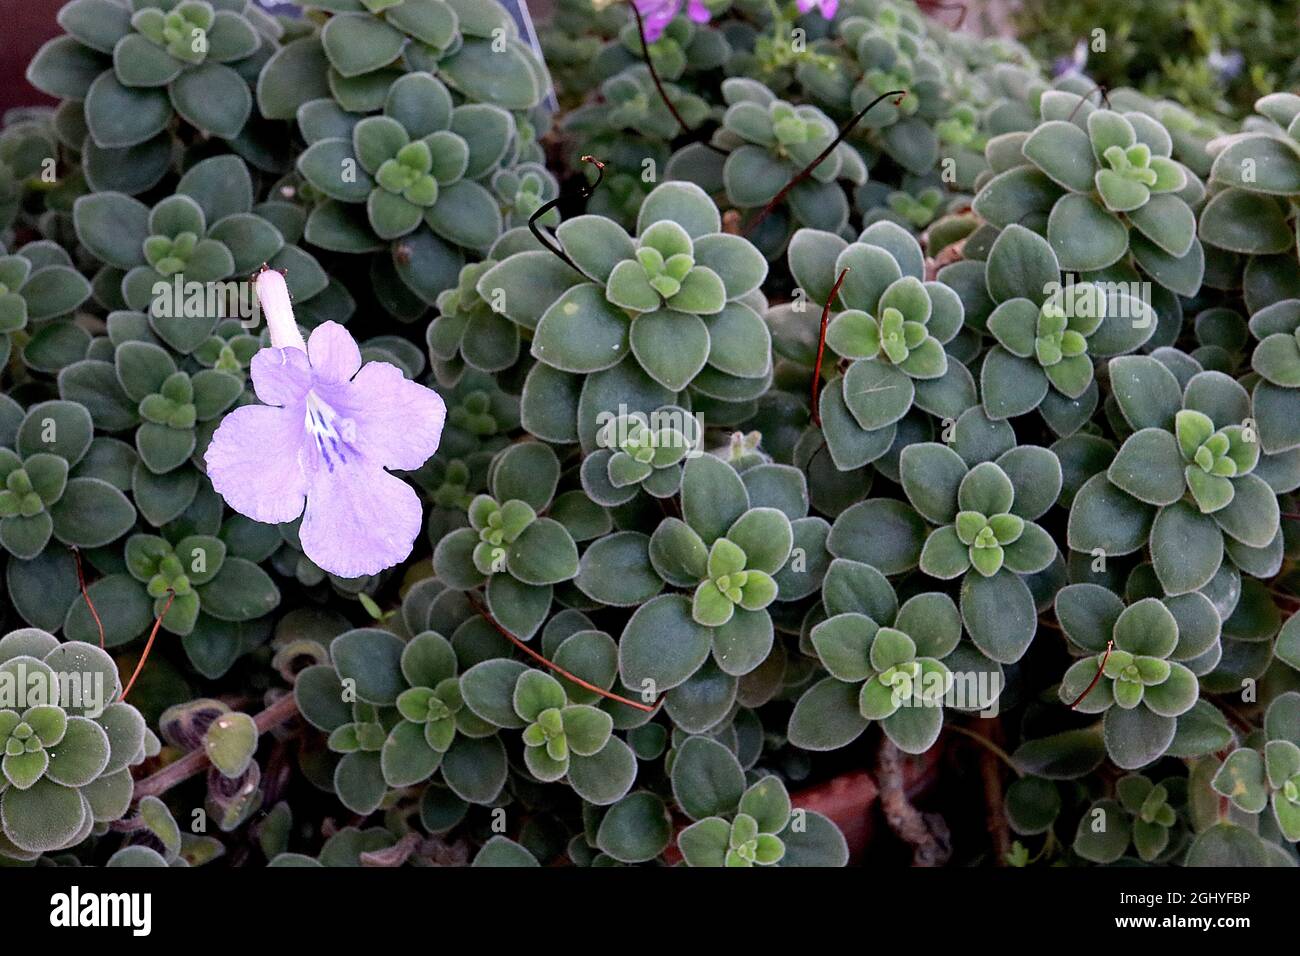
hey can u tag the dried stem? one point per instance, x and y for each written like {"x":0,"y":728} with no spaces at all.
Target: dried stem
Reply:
{"x":194,"y":762}
{"x":483,"y":612}
{"x":927,"y":834}
{"x":1097,"y":88}
{"x":821,"y":346}
{"x":808,"y":170}
{"x":543,"y":209}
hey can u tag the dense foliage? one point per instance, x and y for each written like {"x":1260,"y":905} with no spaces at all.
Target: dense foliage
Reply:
{"x":881,"y":379}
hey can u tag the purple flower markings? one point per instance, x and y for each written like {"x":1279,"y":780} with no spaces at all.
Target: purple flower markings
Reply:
{"x":322,"y":440}
{"x":826,"y":8}
{"x":659,"y":13}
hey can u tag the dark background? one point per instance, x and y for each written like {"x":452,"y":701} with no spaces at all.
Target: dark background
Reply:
{"x":24,"y":26}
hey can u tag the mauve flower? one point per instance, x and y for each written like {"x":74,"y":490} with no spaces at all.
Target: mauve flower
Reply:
{"x":826,"y":8}
{"x":659,"y":13}
{"x":327,"y":431}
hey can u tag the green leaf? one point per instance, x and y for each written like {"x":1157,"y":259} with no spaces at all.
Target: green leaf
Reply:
{"x":230,"y":742}
{"x":359,"y":43}
{"x":843,"y":643}
{"x":707,"y":779}
{"x":617,"y":570}
{"x":1186,"y":548}
{"x":465,"y":214}
{"x":213,"y":98}
{"x":1103,"y":832}
{"x":1149,"y":467}
{"x":661,"y":645}
{"x":637,"y":829}
{"x":1135,"y":738}
{"x":1148,"y":393}
{"x":876,"y":393}
{"x":1242,"y":780}
{"x":764,"y":534}
{"x":882,"y":532}
{"x":1063,"y":151}
{"x":118,"y":116}
{"x":581,"y":332}
{"x":705,"y":843}
{"x":43,"y":817}
{"x":683,"y":203}
{"x":671,"y":346}
{"x":1012,"y":386}
{"x":543,"y":554}
{"x":999,"y":615}
{"x":241,"y":591}
{"x":483,"y":73}
{"x":1084,"y":236}
{"x":1022,"y":265}
{"x":1245,"y":222}
{"x":91,"y":513}
{"x":371,"y":659}
{"x":605,"y":777}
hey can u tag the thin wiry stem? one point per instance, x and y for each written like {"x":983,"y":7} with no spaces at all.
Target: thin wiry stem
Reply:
{"x":650,"y":65}
{"x":171,"y":596}
{"x":483,"y":612}
{"x":543,"y":209}
{"x":808,"y":170}
{"x":85,"y":594}
{"x":1097,"y":88}
{"x":821,"y":346}
{"x":1100,"y":670}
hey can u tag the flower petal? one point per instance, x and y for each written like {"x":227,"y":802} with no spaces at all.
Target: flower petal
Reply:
{"x":280,"y":376}
{"x":255,"y":462}
{"x":398,"y":422}
{"x":334,"y":353}
{"x":359,"y":520}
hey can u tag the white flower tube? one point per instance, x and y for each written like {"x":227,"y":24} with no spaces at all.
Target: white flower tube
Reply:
{"x":277,"y":309}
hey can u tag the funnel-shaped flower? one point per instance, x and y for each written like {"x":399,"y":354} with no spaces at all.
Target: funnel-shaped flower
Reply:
{"x":324,"y":438}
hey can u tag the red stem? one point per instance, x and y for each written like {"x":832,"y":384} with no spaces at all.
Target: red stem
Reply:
{"x":808,"y":170}
{"x":171,"y":595}
{"x":483,"y":612}
{"x":821,"y":346}
{"x":81,"y":581}
{"x":1100,"y":670}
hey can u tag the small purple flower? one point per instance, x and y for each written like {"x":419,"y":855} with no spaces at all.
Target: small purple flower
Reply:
{"x":1072,"y":64}
{"x":659,"y":13}
{"x":826,"y":8}
{"x":1225,"y":66}
{"x":327,"y":431}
